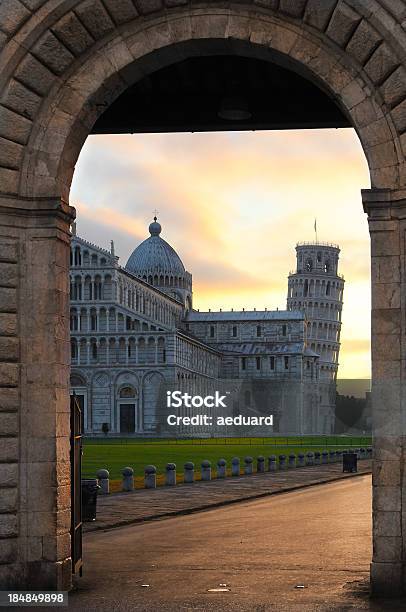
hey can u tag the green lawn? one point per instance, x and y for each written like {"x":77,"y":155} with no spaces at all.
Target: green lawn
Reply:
{"x":114,"y":454}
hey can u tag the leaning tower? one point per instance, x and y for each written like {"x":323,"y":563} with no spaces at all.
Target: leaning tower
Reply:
{"x":317,"y":289}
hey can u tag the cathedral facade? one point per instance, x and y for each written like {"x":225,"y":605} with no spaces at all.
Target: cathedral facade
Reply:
{"x":136,"y":339}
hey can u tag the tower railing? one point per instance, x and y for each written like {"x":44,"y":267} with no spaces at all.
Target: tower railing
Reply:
{"x":318,"y":244}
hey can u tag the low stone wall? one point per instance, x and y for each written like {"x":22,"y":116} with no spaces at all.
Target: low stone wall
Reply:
{"x":247,"y":467}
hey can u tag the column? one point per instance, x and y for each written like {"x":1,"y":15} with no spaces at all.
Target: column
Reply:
{"x":126,"y":351}
{"x":87,"y":352}
{"x":387,"y":224}
{"x":34,"y":398}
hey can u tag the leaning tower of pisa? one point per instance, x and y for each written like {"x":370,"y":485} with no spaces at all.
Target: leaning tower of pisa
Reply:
{"x":317,"y":288}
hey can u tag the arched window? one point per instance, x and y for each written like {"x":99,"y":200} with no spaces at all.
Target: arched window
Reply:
{"x":94,"y":350}
{"x":327,"y":265}
{"x":284,"y":329}
{"x":234,"y":331}
{"x":73,"y":349}
{"x":259,"y":331}
{"x":309,"y":265}
{"x":127,"y":392}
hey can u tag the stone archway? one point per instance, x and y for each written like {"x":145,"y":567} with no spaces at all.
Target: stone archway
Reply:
{"x":62,"y":64}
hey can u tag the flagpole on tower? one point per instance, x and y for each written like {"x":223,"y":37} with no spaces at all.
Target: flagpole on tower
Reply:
{"x":315,"y":229}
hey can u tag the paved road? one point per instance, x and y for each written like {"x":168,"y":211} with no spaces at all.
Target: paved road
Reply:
{"x":262,"y":550}
{"x":126,"y":508}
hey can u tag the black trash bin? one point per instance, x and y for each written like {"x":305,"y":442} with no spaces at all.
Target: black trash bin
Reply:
{"x":350,"y":462}
{"x":90,"y":488}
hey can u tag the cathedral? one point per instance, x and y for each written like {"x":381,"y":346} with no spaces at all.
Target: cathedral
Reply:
{"x":137,"y":342}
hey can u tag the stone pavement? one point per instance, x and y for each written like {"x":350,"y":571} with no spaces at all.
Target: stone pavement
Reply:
{"x":120,"y":509}
{"x":308,"y":550}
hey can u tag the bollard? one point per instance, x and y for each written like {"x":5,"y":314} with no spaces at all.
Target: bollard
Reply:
{"x":260,"y":464}
{"x":189,"y":472}
{"x":317,"y":459}
{"x":205,"y":470}
{"x":369,"y":452}
{"x":324,"y":457}
{"x":292,"y":460}
{"x":128,"y":479}
{"x":104,"y":481}
{"x":150,"y":477}
{"x":235,"y":466}
{"x":332,"y":456}
{"x":170,"y":474}
{"x":221,"y":468}
{"x":248,"y":468}
{"x":363,"y":453}
{"x":282,"y":462}
{"x":272,"y":465}
{"x":310,"y":458}
{"x":300,"y":460}
{"x":339,"y":456}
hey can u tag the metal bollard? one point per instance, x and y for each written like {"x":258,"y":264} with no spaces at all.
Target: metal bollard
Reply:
{"x":272,"y":465}
{"x":189,"y":472}
{"x":260,"y":464}
{"x":170,"y":474}
{"x":339,"y":456}
{"x":292,"y":460}
{"x":128,"y":479}
{"x":221,"y":468}
{"x":282,"y":462}
{"x":248,"y":468}
{"x":369,"y":452}
{"x":363,"y":453}
{"x":150,"y":477}
{"x":205,"y":470}
{"x":103,"y":477}
{"x":324,"y":457}
{"x":332,"y":456}
{"x":310,"y":458}
{"x":300,"y":460}
{"x":235,"y":466}
{"x":317,"y":459}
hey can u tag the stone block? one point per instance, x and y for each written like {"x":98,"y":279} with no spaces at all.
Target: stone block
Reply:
{"x":375,"y":133}
{"x":393,"y":89}
{"x":387,"y":322}
{"x":121,"y":10}
{"x":9,"y":374}
{"x":9,"y":400}
{"x":363,"y":43}
{"x":385,"y":269}
{"x":20,"y":99}
{"x":8,"y":251}
{"x":9,"y":180}
{"x":8,"y":550}
{"x":387,"y":447}
{"x":35,"y":75}
{"x":386,"y":498}
{"x":8,"y":499}
{"x":9,"y":349}
{"x":51,"y":52}
{"x":352,"y":94}
{"x":271,"y":4}
{"x":318,"y":13}
{"x":381,"y":64}
{"x":13,"y":126}
{"x":8,"y":474}
{"x":387,"y":524}
{"x":8,"y":324}
{"x":9,"y":450}
{"x":295,"y":8}
{"x":10,"y":153}
{"x":386,"y":473}
{"x":387,"y":549}
{"x":148,"y":6}
{"x":381,"y":155}
{"x":8,"y":526}
{"x":12,"y":15}
{"x":72,"y":33}
{"x":42,"y":523}
{"x":95,"y":18}
{"x":366,"y":112}
{"x":342,"y":24}
{"x":398,"y":115}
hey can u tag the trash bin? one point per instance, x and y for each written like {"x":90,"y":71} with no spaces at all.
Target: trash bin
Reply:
{"x":90,"y":489}
{"x":350,"y":462}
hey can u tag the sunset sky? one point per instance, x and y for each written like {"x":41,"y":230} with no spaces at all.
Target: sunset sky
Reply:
{"x":234,"y":205}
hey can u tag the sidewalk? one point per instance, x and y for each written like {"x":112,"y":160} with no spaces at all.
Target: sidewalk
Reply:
{"x":119,"y":509}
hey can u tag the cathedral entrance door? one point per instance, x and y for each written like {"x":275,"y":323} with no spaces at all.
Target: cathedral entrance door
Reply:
{"x":127,"y":418}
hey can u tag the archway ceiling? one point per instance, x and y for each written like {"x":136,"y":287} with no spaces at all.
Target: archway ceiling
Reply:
{"x":186,"y":96}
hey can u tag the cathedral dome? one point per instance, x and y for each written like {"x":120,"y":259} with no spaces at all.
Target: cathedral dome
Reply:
{"x":155,"y":256}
